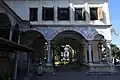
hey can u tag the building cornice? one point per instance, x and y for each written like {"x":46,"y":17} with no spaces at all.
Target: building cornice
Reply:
{"x":44,"y":25}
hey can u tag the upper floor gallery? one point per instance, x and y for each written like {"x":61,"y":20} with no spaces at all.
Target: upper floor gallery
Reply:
{"x":65,"y":12}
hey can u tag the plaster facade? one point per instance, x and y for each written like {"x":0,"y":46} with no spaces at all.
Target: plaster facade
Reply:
{"x":88,"y":29}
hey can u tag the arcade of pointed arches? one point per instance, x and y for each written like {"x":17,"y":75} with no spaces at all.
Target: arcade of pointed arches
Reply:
{"x":42,"y":36}
{"x":82,"y":31}
{"x":89,"y":43}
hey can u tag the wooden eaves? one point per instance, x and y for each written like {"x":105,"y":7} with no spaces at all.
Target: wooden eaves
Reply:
{"x":9,"y":46}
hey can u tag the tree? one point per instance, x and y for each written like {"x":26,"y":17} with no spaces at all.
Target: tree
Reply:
{"x":115,"y":51}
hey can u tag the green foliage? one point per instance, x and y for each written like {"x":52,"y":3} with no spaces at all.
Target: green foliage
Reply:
{"x":58,"y":50}
{"x":115,"y":51}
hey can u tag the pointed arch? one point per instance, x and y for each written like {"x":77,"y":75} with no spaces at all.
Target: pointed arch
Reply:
{"x":69,"y":29}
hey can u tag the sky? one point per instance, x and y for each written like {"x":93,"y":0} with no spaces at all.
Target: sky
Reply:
{"x":114,"y":8}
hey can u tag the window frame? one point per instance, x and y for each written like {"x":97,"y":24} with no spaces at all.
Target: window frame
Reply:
{"x":32,"y":14}
{"x":84,"y":14}
{"x":92,"y":14}
{"x":44,"y":18}
{"x":58,"y":14}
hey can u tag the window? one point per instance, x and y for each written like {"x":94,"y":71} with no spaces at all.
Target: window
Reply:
{"x":48,"y":13}
{"x":63,"y":13}
{"x":33,"y":14}
{"x":93,"y":14}
{"x":79,"y":14}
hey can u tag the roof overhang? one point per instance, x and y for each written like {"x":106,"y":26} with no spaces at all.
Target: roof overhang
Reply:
{"x":6,"y":45}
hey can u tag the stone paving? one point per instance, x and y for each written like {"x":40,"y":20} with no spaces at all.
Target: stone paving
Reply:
{"x":73,"y":75}
{"x":70,"y":74}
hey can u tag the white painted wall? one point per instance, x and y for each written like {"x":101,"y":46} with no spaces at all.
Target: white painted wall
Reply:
{"x":95,"y":51}
{"x":21,"y":7}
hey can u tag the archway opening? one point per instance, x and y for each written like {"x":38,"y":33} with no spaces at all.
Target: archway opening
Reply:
{"x":35,"y":40}
{"x":5,"y":25}
{"x":68,"y":52}
{"x":97,"y":45}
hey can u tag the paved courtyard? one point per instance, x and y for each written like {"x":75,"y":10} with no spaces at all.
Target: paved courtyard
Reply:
{"x":73,"y":75}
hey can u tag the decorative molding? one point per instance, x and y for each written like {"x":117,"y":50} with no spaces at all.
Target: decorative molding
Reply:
{"x":43,"y":31}
{"x":49,"y":33}
{"x":95,"y":32}
{"x":81,"y":30}
{"x":71,"y":25}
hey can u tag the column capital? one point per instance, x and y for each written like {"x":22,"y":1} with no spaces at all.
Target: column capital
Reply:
{"x":30,"y":53}
{"x":89,"y":42}
{"x":49,"y":42}
{"x":108,"y":41}
{"x":12,"y":27}
{"x":108,"y":44}
{"x":100,"y":43}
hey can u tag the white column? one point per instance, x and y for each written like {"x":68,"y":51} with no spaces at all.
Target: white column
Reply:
{"x":19,"y":38}
{"x":53,"y":57}
{"x":28,"y":63}
{"x":49,"y":53}
{"x":84,"y":55}
{"x":100,"y":51}
{"x":11,"y":33}
{"x":15,"y":66}
{"x":109,"y":52}
{"x":89,"y":51}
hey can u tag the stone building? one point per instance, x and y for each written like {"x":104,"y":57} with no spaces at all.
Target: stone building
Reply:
{"x":83,"y":24}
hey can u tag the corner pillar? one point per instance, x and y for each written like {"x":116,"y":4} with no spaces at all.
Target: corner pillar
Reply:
{"x":28,"y":63}
{"x":15,"y":66}
{"x":109,"y":52}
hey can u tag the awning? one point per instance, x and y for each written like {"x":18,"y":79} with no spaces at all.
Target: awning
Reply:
{"x":6,"y":45}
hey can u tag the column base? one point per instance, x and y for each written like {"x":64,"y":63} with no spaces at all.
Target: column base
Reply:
{"x":48,"y":67}
{"x":101,"y":68}
{"x":49,"y":64}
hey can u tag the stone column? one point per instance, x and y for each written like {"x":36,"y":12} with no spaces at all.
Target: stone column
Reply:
{"x":89,"y":51}
{"x":49,"y":53}
{"x":84,"y":56}
{"x":19,"y":38}
{"x":42,"y":49}
{"x":109,"y":52}
{"x":15,"y":66}
{"x":100,"y":51}
{"x":75,"y":55}
{"x":53,"y":57}
{"x":81,"y":54}
{"x":28,"y":63}
{"x":111,"y":65}
{"x":11,"y":33}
